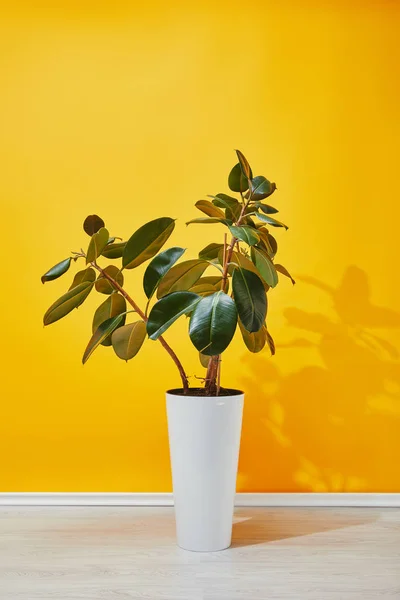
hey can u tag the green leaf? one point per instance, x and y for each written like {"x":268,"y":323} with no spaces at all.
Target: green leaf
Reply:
{"x":104,"y":330}
{"x":250,"y":299}
{"x":255,"y":341}
{"x":210,"y":252}
{"x":147,"y":241}
{"x":237,"y":181}
{"x":114,"y":250}
{"x":244,"y":165}
{"x":261,"y":188}
{"x":209,"y":220}
{"x":181,"y":277}
{"x":265,"y":266}
{"x":159,"y":266}
{"x":167,"y":310}
{"x":231,"y":205}
{"x":103,"y":285}
{"x":266,"y":208}
{"x":209,"y":285}
{"x":56,"y":271}
{"x":204,"y":360}
{"x":213,"y":323}
{"x":128,"y":340}
{"x":113,"y":306}
{"x":88,"y":274}
{"x":92,"y":224}
{"x":97,"y":244}
{"x":209,"y":209}
{"x":238,"y":259}
{"x":70,"y":300}
{"x":245,"y":233}
{"x":271,"y":221}
{"x":285,"y":272}
{"x":203,"y":289}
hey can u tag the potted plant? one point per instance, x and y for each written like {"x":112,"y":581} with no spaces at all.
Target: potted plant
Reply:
{"x":204,"y":423}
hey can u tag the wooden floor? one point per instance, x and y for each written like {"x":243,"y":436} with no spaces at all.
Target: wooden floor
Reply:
{"x":123,"y":553}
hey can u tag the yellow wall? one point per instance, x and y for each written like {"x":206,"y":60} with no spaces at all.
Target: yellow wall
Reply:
{"x":133,"y":112}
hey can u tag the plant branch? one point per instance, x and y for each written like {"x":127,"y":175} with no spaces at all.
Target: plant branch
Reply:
{"x":164,"y":344}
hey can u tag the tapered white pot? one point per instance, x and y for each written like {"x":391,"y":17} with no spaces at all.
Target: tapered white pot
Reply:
{"x":204,"y":440}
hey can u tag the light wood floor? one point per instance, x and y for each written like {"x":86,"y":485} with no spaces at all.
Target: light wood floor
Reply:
{"x":124,"y":553}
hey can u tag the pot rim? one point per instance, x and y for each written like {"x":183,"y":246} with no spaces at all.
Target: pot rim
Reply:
{"x":172,"y":392}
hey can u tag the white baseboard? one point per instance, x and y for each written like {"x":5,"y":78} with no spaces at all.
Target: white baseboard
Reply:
{"x":166,"y":499}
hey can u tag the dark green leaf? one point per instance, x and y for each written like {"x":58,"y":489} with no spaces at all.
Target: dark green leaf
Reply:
{"x":113,"y":306}
{"x":167,"y":310}
{"x":244,"y":165}
{"x":285,"y":272}
{"x":237,"y":181}
{"x":210,"y":252}
{"x":81,"y":276}
{"x":72,"y":299}
{"x":103,"y":285}
{"x":181,"y":277}
{"x":213,"y":323}
{"x":159,"y":266}
{"x":209,"y":209}
{"x":97,"y":244}
{"x":104,"y":330}
{"x":255,"y":342}
{"x":128,"y":340}
{"x":56,"y":271}
{"x":245,"y":233}
{"x":231,"y":205}
{"x":92,"y":224}
{"x":147,"y":241}
{"x":261,"y":188}
{"x":266,"y":208}
{"x":250,"y":299}
{"x":271,"y":221}
{"x":265,"y":266}
{"x":114,"y":250}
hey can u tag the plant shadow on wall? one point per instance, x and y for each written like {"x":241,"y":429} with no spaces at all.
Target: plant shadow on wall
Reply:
{"x":329,"y":426}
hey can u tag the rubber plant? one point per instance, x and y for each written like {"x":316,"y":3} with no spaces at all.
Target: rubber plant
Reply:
{"x":224,"y":288}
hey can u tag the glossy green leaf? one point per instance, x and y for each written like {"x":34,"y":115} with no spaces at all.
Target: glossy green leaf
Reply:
{"x":250,"y":299}
{"x":204,"y":360}
{"x":261,"y":188}
{"x":240,"y":260}
{"x":70,"y":300}
{"x":237,"y":181}
{"x":103,"y":285}
{"x":56,"y":271}
{"x":159,"y":266}
{"x":92,"y":224}
{"x":167,"y":310}
{"x":113,"y":306}
{"x":103,"y":332}
{"x":213,"y":323}
{"x":265,"y":266}
{"x":209,"y":221}
{"x":181,"y":277}
{"x":210,"y":252}
{"x":231,"y":205}
{"x":97,"y":244}
{"x":271,"y":221}
{"x":285,"y":272}
{"x":255,"y":341}
{"x":147,"y":241}
{"x":266,"y":208}
{"x":244,"y":165}
{"x":203,"y":289}
{"x":128,"y":340}
{"x":245,"y":233}
{"x":88,"y":274}
{"x":209,"y":209}
{"x":114,"y":250}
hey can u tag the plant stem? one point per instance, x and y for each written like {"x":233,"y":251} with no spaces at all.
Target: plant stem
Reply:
{"x":164,"y":344}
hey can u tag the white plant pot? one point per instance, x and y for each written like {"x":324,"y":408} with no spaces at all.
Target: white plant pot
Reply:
{"x":204,"y":440}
